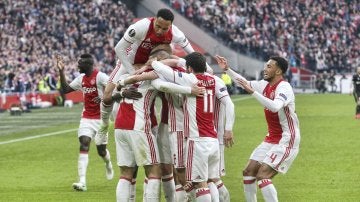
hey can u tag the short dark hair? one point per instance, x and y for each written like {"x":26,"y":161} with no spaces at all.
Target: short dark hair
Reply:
{"x":165,"y":14}
{"x":196,"y":61}
{"x":86,"y":60}
{"x":281,"y":62}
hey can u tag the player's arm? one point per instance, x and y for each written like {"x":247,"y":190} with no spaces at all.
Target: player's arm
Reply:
{"x":168,"y":87}
{"x":170,"y":75}
{"x":282,"y":96}
{"x":133,"y":33}
{"x":60,"y":65}
{"x":222,"y":94}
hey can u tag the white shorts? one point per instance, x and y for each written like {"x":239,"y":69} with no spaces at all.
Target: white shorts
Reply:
{"x":202,"y":159}
{"x":178,"y":148}
{"x":88,"y":127}
{"x":164,"y":143}
{"x":222,"y":160}
{"x":279,"y":157}
{"x":135,"y":148}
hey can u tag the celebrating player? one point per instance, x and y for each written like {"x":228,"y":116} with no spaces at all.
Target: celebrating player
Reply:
{"x":281,"y":145}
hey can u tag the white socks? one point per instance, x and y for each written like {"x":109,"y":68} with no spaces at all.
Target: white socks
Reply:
{"x":250,"y":188}
{"x":268,"y":190}
{"x":169,"y":187}
{"x":180,"y":193}
{"x":83,"y":162}
{"x":123,"y":190}
{"x":203,"y":195}
{"x":224,"y":195}
{"x":213,"y":192}
{"x":106,"y":158}
{"x":153,"y":190}
{"x":133,"y":190}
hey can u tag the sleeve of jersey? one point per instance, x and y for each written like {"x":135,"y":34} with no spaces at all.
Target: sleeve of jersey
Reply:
{"x":168,"y":87}
{"x":180,"y":38}
{"x":170,"y":75}
{"x":234,"y":76}
{"x":135,"y":32}
{"x":103,"y":79}
{"x":76,"y":83}
{"x":230,"y":112}
{"x":280,"y":100}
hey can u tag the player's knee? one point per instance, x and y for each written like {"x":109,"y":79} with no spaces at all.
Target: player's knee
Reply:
{"x":101,"y":150}
{"x":248,"y":172}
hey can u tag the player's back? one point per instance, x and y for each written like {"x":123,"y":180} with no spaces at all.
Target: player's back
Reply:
{"x":199,"y":111}
{"x":135,"y":114}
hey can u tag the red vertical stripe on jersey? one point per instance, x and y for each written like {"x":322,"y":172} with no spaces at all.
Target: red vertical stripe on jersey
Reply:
{"x":186,"y":119}
{"x":292,"y":136}
{"x":152,"y":148}
{"x":113,"y":73}
{"x":172,"y":114}
{"x":147,"y":112}
{"x":180,"y":143}
{"x":189,"y":159}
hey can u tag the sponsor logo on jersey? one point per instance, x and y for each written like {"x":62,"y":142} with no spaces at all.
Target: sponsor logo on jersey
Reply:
{"x":283,"y":96}
{"x":89,"y":90}
{"x":132,"y":33}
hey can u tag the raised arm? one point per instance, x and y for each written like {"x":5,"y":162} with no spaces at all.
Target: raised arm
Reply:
{"x":60,"y":65}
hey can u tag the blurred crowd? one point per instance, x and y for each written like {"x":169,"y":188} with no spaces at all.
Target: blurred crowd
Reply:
{"x":320,"y":35}
{"x":33,"y":31}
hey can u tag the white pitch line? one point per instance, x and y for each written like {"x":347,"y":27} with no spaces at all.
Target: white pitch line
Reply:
{"x":71,"y":130}
{"x":37,"y":136}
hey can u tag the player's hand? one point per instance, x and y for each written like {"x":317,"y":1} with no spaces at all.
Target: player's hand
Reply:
{"x":131,"y":93}
{"x":242,"y":83}
{"x":60,"y":62}
{"x":142,"y":69}
{"x":97,"y":100}
{"x":197,"y":91}
{"x":228,"y":138}
{"x":222,"y":62}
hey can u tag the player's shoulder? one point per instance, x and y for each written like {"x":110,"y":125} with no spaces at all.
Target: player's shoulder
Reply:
{"x":142,"y":24}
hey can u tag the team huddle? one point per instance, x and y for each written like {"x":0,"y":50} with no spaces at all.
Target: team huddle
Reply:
{"x":183,"y":148}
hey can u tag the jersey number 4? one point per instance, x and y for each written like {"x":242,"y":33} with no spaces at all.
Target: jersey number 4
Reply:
{"x":208,"y":101}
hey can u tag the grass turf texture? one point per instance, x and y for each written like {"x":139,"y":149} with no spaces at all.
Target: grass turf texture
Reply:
{"x":326,"y":169}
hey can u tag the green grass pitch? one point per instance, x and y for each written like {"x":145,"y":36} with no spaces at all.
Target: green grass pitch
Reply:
{"x":42,"y":168}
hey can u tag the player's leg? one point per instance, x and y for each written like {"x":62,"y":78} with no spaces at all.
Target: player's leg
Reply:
{"x":264,"y":176}
{"x":83,"y":162}
{"x":357,"y":101}
{"x":105,"y":155}
{"x":85,"y":133}
{"x":278,"y":159}
{"x":177,"y":146}
{"x":251,"y":169}
{"x":126,"y":163}
{"x":224,"y":194}
{"x":197,"y":168}
{"x":148,"y":156}
{"x":213,"y":170}
{"x":167,"y":177}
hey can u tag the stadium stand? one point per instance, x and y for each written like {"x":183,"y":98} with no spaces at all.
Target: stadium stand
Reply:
{"x":34,"y":31}
{"x":314,"y":34}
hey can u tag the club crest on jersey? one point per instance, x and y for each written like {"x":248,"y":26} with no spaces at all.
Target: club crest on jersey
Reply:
{"x":132,"y":33}
{"x":272,"y":95}
{"x":92,"y":82}
{"x":283,"y":96}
